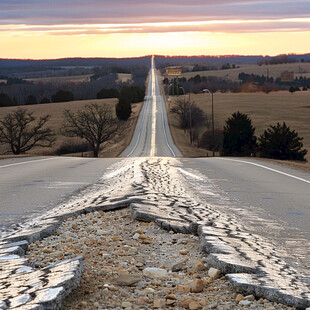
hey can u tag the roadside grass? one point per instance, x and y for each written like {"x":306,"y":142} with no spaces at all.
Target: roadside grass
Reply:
{"x":263,"y":109}
{"x":299,"y":69}
{"x":112,"y":149}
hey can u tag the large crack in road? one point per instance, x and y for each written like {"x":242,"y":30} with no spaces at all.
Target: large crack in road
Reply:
{"x":160,"y":190}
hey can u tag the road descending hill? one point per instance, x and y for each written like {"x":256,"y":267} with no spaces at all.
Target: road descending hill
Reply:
{"x":252,"y":218}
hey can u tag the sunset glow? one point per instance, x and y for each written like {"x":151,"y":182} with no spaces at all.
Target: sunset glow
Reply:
{"x":69,"y":35}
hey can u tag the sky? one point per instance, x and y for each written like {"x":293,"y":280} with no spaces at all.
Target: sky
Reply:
{"x":44,"y":29}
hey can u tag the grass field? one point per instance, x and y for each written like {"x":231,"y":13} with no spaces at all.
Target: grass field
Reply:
{"x":263,"y":109}
{"x":55,"y":123}
{"x":300,"y":69}
{"x":62,"y":79}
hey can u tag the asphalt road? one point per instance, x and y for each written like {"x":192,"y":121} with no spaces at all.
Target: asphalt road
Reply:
{"x":270,"y":199}
{"x":282,"y":193}
{"x":152,"y":136}
{"x":32,"y":185}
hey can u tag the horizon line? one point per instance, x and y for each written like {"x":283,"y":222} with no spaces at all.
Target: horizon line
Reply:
{"x":158,"y":55}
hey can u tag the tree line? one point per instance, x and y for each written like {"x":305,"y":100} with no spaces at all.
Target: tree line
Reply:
{"x":246,"y":83}
{"x":67,"y":95}
{"x":17,"y":91}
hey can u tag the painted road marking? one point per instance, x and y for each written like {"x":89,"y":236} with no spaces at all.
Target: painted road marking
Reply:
{"x":267,"y":168}
{"x":194,"y":176}
{"x":27,"y":162}
{"x":154,"y":101}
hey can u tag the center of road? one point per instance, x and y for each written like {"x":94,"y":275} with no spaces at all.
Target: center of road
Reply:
{"x":153,"y":142}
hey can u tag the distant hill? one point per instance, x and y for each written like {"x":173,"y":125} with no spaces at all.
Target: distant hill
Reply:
{"x":236,"y":59}
{"x":178,"y":60}
{"x":74,"y":62}
{"x":28,"y":68}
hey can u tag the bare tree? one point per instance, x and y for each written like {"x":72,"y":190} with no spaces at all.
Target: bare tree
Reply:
{"x":17,"y":130}
{"x":190,"y":117}
{"x":95,"y":123}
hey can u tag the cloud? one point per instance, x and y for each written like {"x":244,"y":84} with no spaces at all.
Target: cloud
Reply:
{"x":135,"y":16}
{"x":215,"y":26}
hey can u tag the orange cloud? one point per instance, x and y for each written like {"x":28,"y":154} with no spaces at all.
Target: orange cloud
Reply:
{"x":226,"y":26}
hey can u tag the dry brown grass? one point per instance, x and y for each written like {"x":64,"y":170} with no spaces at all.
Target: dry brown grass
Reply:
{"x":55,"y":123}
{"x":263,"y":109}
{"x":62,"y":79}
{"x":300,"y":69}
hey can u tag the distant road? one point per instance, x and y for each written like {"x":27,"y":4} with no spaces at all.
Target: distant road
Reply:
{"x":34,"y":184}
{"x":152,"y":136}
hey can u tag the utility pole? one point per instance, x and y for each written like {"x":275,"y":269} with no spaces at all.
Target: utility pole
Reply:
{"x":211,"y":94}
{"x":190,"y":117}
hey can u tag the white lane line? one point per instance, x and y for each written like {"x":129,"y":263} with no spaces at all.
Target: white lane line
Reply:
{"x":267,"y":168}
{"x":194,"y":176}
{"x":27,"y":162}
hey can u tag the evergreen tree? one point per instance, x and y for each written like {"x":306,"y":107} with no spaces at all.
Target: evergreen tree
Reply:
{"x":239,"y":138}
{"x":279,"y":142}
{"x":123,"y":108}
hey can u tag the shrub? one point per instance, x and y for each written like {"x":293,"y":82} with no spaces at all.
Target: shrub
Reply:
{"x":107,"y":93}
{"x":207,"y":137}
{"x":71,"y":147}
{"x":63,"y":96}
{"x":238,"y":136}
{"x":133,"y":93}
{"x":45,"y":100}
{"x":31,"y":99}
{"x":279,"y":142}
{"x":5,"y":100}
{"x":123,"y":108}
{"x":267,"y":88}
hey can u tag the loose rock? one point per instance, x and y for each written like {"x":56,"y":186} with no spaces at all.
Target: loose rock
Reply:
{"x":153,"y":272}
{"x":214,"y":273}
